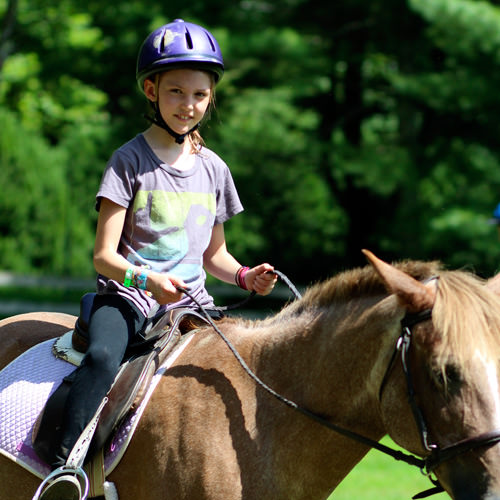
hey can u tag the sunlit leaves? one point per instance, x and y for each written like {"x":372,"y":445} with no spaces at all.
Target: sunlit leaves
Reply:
{"x":464,"y":27}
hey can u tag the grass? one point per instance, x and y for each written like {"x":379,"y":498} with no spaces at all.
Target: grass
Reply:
{"x":18,"y":299}
{"x":380,"y":477}
{"x":41,"y":294}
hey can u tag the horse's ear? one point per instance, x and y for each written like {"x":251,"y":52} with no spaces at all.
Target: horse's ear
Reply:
{"x":494,"y":284}
{"x":412,"y":294}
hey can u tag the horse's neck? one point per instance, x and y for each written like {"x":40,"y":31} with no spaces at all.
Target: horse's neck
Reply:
{"x":330,"y":361}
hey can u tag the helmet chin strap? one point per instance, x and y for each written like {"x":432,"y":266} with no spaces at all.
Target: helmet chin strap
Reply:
{"x":157,"y":119}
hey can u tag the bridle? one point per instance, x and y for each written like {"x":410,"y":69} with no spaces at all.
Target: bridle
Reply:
{"x":436,"y":455}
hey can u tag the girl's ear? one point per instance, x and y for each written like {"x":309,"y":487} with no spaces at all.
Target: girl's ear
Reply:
{"x":150,"y":89}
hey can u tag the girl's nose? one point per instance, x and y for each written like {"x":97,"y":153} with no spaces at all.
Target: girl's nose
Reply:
{"x":188,"y":102}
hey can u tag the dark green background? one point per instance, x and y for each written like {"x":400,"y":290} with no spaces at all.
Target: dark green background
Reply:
{"x":346,"y":125}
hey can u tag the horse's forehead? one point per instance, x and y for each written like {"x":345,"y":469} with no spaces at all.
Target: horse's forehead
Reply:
{"x":488,"y":361}
{"x":481,"y":385}
{"x":457,"y":347}
{"x":491,"y":384}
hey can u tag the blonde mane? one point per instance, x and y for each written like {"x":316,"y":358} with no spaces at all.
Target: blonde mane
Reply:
{"x":466,"y":312}
{"x":467,"y":315}
{"x":362,"y":282}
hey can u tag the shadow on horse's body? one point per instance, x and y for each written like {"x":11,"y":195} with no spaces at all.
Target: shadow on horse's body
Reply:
{"x":210,"y":433}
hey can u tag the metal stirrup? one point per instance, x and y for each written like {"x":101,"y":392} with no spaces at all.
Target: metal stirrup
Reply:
{"x":74,"y":463}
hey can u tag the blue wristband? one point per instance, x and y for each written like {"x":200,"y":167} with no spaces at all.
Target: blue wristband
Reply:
{"x":140,"y":278}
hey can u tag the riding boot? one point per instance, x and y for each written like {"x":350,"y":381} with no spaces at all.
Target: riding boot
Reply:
{"x":61,"y":457}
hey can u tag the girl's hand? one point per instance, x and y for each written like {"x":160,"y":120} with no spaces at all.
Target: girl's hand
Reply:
{"x":163,"y":287}
{"x":261,"y":279}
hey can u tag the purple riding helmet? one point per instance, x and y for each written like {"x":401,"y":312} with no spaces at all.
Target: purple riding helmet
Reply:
{"x":178,"y":45}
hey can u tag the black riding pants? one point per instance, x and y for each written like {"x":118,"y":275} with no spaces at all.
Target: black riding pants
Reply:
{"x":114,"y":322}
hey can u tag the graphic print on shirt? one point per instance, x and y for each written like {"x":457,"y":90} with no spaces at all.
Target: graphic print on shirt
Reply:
{"x":177,"y":225}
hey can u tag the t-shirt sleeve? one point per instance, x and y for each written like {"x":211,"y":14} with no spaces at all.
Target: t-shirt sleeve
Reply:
{"x":228,"y":201}
{"x":117,"y":183}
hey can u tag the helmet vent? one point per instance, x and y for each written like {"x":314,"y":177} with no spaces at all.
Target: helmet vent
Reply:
{"x":211,"y":42}
{"x":189,"y":40}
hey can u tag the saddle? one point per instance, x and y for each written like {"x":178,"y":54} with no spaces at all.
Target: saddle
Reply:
{"x":141,"y":361}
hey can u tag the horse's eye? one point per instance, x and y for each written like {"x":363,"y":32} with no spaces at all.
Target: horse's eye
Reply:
{"x":449,"y":378}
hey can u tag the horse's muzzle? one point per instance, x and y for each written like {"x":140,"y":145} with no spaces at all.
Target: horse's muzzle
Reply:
{"x":475,"y":492}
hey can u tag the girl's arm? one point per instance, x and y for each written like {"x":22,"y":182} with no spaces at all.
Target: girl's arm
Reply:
{"x":110,"y":263}
{"x":107,"y":260}
{"x":220,"y":263}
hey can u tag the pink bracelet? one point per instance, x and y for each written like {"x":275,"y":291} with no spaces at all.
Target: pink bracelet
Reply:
{"x":239,"y":277}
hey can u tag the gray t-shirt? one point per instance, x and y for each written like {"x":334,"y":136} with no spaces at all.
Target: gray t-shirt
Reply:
{"x":170,"y":215}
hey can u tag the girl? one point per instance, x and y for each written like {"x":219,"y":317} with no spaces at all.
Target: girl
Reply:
{"x":162,"y":204}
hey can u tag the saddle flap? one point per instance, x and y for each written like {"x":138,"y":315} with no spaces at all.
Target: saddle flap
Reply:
{"x":127,"y":391}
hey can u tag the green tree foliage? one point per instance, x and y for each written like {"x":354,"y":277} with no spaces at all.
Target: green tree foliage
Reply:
{"x":54,"y":131}
{"x":351,"y":125}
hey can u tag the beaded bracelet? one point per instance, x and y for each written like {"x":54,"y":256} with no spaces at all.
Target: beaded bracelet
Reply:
{"x":136,"y":276}
{"x":140,"y":278}
{"x":239,"y":277}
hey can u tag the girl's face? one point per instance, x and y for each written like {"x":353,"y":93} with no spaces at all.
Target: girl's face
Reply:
{"x":183,"y":96}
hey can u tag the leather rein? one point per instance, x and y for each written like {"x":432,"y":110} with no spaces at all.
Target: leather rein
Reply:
{"x":436,"y":455}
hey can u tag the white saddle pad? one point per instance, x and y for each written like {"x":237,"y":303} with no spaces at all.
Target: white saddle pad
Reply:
{"x":25,"y":386}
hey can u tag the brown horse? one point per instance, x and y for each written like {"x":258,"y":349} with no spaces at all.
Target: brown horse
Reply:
{"x":211,"y":433}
